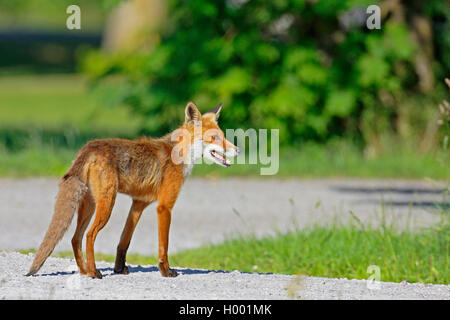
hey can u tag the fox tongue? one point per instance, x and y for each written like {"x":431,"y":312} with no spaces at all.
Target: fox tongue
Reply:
{"x":219,"y":156}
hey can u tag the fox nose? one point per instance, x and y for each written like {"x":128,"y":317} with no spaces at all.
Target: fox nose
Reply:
{"x":238,"y":150}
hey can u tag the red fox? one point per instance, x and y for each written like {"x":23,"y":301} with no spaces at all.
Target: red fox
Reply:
{"x":146,"y":170}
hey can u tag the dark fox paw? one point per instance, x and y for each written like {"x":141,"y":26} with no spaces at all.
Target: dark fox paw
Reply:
{"x":172,"y":273}
{"x":123,"y":270}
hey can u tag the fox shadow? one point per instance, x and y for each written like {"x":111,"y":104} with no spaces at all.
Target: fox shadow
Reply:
{"x":180,"y":271}
{"x":109,"y":272}
{"x":187,"y":271}
{"x":388,"y":189}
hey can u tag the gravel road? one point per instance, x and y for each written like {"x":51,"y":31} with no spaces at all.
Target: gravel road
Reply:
{"x":57,"y":281}
{"x":209,"y":211}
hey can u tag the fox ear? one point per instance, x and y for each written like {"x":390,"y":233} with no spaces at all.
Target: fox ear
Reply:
{"x":216,"y":110}
{"x":192,"y":113}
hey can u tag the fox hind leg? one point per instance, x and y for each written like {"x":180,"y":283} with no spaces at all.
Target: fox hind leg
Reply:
{"x":85,"y":212}
{"x":103,"y":183}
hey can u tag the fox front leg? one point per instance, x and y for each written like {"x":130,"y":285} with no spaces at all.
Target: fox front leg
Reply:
{"x":164,"y":217}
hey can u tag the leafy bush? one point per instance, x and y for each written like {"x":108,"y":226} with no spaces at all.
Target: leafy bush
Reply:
{"x":287,"y":64}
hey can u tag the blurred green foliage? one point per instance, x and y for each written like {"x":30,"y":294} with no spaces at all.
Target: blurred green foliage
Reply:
{"x":286,"y":64}
{"x":50,"y":14}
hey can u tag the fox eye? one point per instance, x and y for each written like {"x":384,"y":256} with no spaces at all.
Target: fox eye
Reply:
{"x":216,"y":137}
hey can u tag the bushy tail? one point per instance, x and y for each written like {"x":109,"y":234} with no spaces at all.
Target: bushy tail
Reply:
{"x":71,"y":192}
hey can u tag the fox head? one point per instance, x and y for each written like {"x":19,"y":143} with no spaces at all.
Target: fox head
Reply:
{"x":201,"y":137}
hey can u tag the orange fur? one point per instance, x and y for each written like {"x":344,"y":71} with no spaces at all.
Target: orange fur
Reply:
{"x":141,"y":168}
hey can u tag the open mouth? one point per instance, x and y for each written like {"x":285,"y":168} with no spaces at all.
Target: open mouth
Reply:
{"x":220,"y":159}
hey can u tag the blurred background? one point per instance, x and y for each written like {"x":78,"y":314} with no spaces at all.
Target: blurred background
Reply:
{"x":348,"y":101}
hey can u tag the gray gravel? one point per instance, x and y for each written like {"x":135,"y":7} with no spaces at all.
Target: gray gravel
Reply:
{"x":209,"y":211}
{"x":57,"y":280}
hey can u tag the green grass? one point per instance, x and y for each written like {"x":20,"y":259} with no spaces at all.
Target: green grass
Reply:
{"x":56,"y":102}
{"x":35,"y":161}
{"x":310,"y":162}
{"x":340,"y":251}
{"x":48,"y":117}
{"x":341,"y":159}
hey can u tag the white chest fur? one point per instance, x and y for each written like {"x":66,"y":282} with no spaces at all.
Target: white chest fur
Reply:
{"x":187,"y":169}
{"x":195,"y":153}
